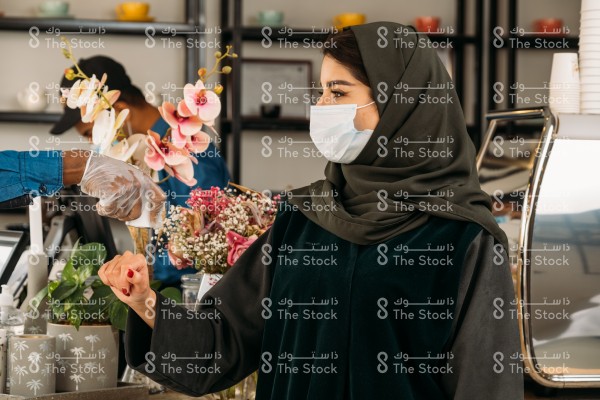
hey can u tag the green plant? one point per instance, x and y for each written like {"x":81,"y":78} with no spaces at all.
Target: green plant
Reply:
{"x":80,"y":296}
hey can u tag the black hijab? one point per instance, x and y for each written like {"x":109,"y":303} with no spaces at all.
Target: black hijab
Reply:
{"x":387,"y":190}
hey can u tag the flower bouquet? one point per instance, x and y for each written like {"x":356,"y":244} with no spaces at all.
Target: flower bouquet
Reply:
{"x":218,"y":226}
{"x":210,"y":235}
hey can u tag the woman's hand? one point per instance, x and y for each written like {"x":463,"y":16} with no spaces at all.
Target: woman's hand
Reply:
{"x":127,"y":276}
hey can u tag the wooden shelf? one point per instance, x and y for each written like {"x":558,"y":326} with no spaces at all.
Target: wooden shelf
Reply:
{"x":29,"y":117}
{"x":77,"y":26}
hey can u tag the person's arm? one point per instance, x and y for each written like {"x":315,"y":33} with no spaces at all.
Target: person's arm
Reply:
{"x":24,"y":175}
{"x":226,"y":334}
{"x":486,"y":333}
{"x":123,"y":190}
{"x":74,"y":162}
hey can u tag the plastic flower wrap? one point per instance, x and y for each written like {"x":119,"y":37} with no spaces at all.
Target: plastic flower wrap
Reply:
{"x":174,"y":152}
{"x":218,"y":226}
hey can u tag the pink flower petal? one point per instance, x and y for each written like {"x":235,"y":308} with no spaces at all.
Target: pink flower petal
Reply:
{"x":190,"y":126}
{"x":190,"y":93}
{"x":174,"y":155}
{"x":211,"y":109}
{"x":153,"y":158}
{"x":183,"y":110}
{"x":199,"y":142}
{"x":178,"y":139}
{"x":176,"y":261}
{"x":237,"y":244}
{"x":167,"y":112}
{"x":183,"y":173}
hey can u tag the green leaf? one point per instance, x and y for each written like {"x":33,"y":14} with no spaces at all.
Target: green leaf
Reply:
{"x":84,"y":272}
{"x":172,"y":293}
{"x":102,"y":291}
{"x":118,"y":315}
{"x":155,"y":284}
{"x":76,"y":299}
{"x":64,"y":290}
{"x":52,"y":286}
{"x":92,"y":254}
{"x":68,"y":272}
{"x":75,"y":316}
{"x":97,"y":283}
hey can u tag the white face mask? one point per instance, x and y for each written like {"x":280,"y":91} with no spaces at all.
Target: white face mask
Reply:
{"x":332,"y":131}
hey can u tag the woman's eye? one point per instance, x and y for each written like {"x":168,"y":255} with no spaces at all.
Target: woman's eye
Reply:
{"x":337,"y":94}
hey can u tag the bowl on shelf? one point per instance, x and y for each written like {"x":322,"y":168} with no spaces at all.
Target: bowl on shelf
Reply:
{"x":348,"y":19}
{"x":53,"y":9}
{"x":133,"y":11}
{"x":548,"y":26}
{"x":427,"y":23}
{"x":270,"y":18}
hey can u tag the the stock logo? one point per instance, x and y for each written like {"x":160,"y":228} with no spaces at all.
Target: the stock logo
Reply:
{"x":498,"y":41}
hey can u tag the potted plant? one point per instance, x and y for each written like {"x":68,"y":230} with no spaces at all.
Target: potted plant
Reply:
{"x":84,"y":315}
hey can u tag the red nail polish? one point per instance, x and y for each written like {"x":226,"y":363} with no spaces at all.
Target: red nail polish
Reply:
{"x":125,"y":292}
{"x":130,"y":273}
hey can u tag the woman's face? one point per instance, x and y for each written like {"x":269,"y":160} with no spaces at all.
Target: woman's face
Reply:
{"x":340,"y":87}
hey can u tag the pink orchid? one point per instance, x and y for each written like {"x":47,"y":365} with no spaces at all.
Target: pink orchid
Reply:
{"x":198,"y":142}
{"x":181,"y":125}
{"x":237,"y":245}
{"x":184,"y":171}
{"x":200,"y":102}
{"x":160,"y":153}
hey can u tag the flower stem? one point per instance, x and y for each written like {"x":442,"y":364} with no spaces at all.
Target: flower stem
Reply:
{"x":217,"y":62}
{"x":163,"y":180}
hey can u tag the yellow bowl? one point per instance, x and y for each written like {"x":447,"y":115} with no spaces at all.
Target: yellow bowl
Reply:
{"x":132,"y":9}
{"x":348,"y":19}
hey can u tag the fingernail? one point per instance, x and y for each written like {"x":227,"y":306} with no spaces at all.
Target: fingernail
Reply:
{"x":125,"y":292}
{"x":130,"y":273}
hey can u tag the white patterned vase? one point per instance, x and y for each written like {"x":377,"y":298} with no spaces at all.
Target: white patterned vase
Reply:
{"x":31,"y":367}
{"x":87,"y":359}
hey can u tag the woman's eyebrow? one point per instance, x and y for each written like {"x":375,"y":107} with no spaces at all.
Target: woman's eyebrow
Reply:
{"x":338,"y":82}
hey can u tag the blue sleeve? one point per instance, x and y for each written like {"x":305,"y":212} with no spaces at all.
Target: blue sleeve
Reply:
{"x":24,"y":173}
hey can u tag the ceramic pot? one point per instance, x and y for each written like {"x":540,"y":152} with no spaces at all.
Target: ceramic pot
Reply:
{"x":87,"y":359}
{"x":31,"y":368}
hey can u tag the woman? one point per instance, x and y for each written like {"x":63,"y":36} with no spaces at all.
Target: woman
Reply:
{"x":388,"y":279}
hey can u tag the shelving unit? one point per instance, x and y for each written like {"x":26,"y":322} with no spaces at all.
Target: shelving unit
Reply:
{"x":234,"y":33}
{"x":193,"y":26}
{"x":525,"y":43}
